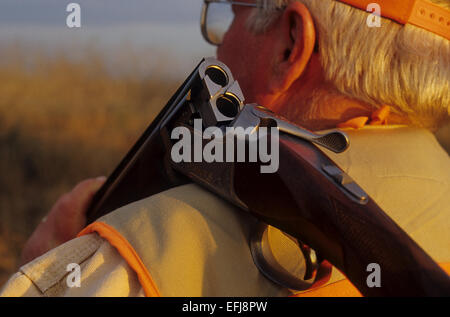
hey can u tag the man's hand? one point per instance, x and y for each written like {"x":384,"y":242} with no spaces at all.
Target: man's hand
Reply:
{"x":64,"y":221}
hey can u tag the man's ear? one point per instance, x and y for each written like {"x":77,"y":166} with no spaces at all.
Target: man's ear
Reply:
{"x":295,"y":45}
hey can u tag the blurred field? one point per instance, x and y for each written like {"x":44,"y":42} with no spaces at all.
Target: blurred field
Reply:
{"x":62,"y":121}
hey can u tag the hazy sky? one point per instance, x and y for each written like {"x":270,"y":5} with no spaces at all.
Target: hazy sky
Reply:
{"x":153,"y":25}
{"x":99,"y":12}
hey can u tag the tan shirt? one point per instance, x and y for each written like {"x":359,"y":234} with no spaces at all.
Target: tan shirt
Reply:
{"x":403,"y":169}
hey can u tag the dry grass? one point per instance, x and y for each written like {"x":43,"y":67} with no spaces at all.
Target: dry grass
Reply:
{"x":62,"y":121}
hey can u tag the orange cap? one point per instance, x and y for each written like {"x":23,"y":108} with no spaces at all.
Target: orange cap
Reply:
{"x":421,"y":13}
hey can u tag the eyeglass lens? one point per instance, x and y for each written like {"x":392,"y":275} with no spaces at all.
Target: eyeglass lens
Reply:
{"x":218,"y":19}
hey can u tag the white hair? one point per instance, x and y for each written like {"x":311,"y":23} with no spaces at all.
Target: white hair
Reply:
{"x":403,"y":66}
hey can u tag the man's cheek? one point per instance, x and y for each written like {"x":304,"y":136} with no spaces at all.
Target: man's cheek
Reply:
{"x":232,"y":58}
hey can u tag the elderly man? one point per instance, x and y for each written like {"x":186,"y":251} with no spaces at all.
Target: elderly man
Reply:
{"x":321,"y":64}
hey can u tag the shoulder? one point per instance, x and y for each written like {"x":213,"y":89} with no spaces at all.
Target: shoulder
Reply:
{"x":191,"y":226}
{"x":84,"y":266}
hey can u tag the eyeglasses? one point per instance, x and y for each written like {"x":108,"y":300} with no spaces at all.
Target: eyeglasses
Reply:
{"x":217,"y":16}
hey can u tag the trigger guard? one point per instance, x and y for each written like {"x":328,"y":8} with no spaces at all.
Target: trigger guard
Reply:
{"x":272,"y":270}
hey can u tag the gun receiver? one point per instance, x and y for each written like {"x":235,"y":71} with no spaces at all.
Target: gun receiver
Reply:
{"x":309,"y":196}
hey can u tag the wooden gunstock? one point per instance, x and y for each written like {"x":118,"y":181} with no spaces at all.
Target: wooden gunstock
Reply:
{"x":304,"y":201}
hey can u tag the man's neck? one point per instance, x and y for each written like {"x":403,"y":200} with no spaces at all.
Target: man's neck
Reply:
{"x":321,"y":109}
{"x":316,"y":105}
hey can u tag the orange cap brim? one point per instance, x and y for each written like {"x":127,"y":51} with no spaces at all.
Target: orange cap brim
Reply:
{"x":421,"y":13}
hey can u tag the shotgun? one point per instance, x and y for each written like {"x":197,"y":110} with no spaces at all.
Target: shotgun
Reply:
{"x":306,"y":196}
